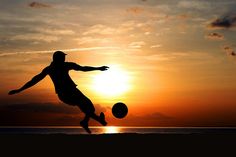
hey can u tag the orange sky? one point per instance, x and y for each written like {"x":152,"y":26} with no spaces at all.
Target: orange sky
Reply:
{"x":174,"y":60}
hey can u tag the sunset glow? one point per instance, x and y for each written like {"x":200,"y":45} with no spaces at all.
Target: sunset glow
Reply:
{"x":113,"y":82}
{"x":111,"y":130}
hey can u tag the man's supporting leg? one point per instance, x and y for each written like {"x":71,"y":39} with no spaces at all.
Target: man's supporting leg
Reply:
{"x":100,"y":119}
{"x":84,"y":123}
{"x":88,"y":108}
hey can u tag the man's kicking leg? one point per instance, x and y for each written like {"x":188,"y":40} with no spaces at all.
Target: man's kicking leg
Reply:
{"x":100,"y":119}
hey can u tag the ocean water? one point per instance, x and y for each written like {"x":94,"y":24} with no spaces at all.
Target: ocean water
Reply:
{"x":113,"y":130}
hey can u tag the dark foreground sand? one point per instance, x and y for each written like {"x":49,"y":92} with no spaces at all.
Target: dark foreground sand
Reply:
{"x":120,"y":144}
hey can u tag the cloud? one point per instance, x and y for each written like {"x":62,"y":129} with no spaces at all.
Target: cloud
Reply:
{"x":93,"y":40}
{"x":135,"y":10}
{"x":43,"y":34}
{"x":159,"y":57}
{"x":199,"y":5}
{"x":54,"y":31}
{"x":40,"y":108}
{"x":156,"y":46}
{"x":36,"y":37}
{"x":137,"y":44}
{"x":214,"y":36}
{"x":48,"y":114}
{"x":39,"y":5}
{"x":190,"y":57}
{"x":183,"y":16}
{"x":100,"y":29}
{"x":66,"y":50}
{"x":229,"y":50}
{"x":99,"y":108}
{"x":42,"y":114}
{"x":38,"y":114}
{"x":152,"y":119}
{"x":158,"y":115}
{"x":224,"y":22}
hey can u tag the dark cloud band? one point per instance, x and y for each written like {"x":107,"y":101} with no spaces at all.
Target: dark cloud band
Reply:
{"x":214,"y":36}
{"x":227,"y":21}
{"x":38,"y":5}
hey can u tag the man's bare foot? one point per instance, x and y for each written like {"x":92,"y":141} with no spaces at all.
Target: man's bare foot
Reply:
{"x":85,"y":126}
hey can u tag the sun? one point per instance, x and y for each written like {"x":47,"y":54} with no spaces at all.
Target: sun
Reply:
{"x":113,"y":82}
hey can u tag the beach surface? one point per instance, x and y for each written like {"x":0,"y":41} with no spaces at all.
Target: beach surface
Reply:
{"x":119,"y":144}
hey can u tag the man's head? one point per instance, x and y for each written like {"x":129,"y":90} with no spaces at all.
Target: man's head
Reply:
{"x":59,"y":57}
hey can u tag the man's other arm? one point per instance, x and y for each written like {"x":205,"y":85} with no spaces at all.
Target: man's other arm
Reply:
{"x":32,"y":82}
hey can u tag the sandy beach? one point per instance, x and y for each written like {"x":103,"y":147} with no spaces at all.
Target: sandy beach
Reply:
{"x":120,"y":144}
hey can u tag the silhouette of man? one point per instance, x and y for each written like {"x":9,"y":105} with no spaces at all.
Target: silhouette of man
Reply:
{"x":65,"y":88}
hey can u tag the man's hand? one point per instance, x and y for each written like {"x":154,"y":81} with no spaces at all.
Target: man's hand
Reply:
{"x":14,"y":91}
{"x":103,"y":68}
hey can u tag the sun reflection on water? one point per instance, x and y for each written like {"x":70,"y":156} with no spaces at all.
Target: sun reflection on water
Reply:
{"x":111,"y":130}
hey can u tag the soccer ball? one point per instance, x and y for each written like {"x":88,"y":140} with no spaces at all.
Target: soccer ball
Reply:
{"x":119,"y":110}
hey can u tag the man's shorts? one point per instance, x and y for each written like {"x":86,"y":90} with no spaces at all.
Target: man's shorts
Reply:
{"x":76,"y":98}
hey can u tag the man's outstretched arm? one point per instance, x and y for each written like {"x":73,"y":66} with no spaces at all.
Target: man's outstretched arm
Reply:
{"x":31,"y":83}
{"x":88,"y":68}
